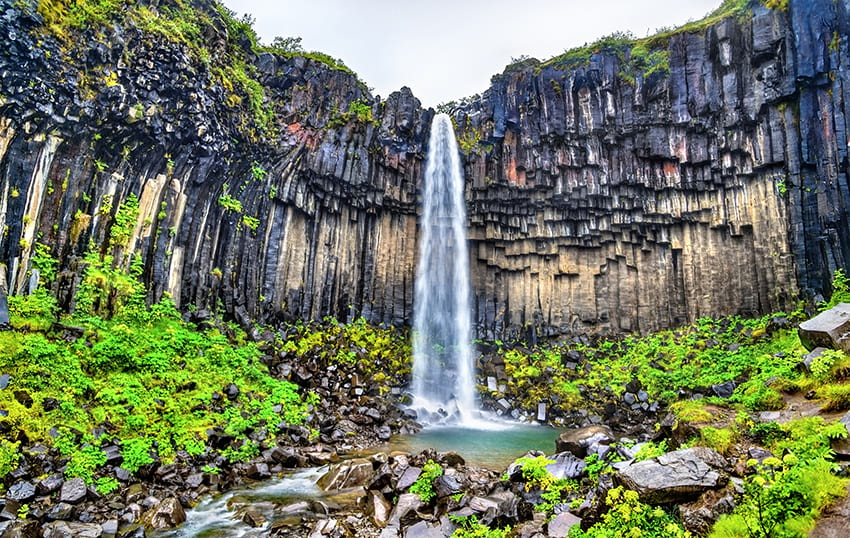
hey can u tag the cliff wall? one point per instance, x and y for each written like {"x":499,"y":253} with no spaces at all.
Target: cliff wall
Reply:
{"x":600,"y":199}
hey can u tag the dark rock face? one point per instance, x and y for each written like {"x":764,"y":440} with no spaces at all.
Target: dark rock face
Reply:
{"x":596,"y":204}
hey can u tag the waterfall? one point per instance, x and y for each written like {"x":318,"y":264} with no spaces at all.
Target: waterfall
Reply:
{"x":443,"y":378}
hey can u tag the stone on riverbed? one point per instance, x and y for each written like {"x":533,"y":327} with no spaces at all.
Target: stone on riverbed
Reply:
{"x":577,"y":441}
{"x":348,"y":474}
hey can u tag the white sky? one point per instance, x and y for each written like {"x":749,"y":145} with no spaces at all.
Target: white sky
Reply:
{"x":448,"y":49}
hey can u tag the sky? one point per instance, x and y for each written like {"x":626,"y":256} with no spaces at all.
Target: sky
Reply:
{"x":448,"y":49}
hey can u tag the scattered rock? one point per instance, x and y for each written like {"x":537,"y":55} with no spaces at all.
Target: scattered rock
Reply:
{"x":165,"y":515}
{"x":676,"y":476}
{"x":560,"y":525}
{"x":73,"y":491}
{"x":829,"y":329}
{"x":578,"y":440}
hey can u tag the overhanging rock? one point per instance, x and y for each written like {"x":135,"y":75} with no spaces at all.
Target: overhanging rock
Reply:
{"x":830,"y":329}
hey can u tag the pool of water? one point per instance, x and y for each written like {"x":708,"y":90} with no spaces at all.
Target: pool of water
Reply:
{"x":493,"y":447}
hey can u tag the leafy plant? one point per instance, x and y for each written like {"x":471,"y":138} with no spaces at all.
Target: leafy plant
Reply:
{"x":106,"y":485}
{"x":535,"y":473}
{"x":627,"y":516}
{"x":651,"y":450}
{"x":469,"y":527}
{"x":424,"y":485}
{"x":136,"y":453}
{"x":9,"y":456}
{"x":84,"y":462}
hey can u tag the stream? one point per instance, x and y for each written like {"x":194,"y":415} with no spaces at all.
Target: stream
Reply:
{"x":278,"y":498}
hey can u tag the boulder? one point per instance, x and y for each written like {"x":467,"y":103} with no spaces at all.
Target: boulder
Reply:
{"x":408,"y":477}
{"x":677,"y":476}
{"x":378,"y":508}
{"x":829,"y":329}
{"x":577,"y":441}
{"x":347,"y":474}
{"x":425,"y":529}
{"x":166,"y":514}
{"x":560,"y":525}
{"x":22,"y":491}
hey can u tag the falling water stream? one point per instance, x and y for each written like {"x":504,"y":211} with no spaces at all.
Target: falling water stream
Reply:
{"x":443,"y":379}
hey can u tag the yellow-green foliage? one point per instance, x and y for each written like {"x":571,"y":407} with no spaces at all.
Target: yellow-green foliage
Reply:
{"x":9,"y":456}
{"x":628,"y":517}
{"x":722,"y":440}
{"x":358,"y":112}
{"x":837,"y":397}
{"x":690,"y":411}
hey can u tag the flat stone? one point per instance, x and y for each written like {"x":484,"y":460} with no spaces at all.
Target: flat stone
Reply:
{"x":577,"y":440}
{"x":63,"y":529}
{"x":567,"y":465}
{"x":4,"y":381}
{"x":829,"y":329}
{"x":165,"y":515}
{"x":408,"y":477}
{"x":347,"y":474}
{"x":674,"y":477}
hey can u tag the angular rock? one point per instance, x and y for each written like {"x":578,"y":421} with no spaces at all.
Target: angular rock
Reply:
{"x":348,"y":474}
{"x":50,"y":484}
{"x":378,"y":509}
{"x":60,"y":511}
{"x":22,"y":491}
{"x":829,"y":329}
{"x":559,"y":526}
{"x":676,"y":476}
{"x":73,"y":491}
{"x":566,"y":465}
{"x":578,"y":440}
{"x":167,"y":514}
{"x":699,"y":516}
{"x":408,"y":477}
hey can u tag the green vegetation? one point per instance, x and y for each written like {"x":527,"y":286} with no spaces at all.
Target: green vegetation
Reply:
{"x":140,"y":374}
{"x":627,"y":516}
{"x":469,"y":527}
{"x":358,"y":112}
{"x":424,"y":485}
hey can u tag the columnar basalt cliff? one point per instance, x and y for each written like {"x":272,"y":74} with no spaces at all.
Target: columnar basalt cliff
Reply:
{"x":600,"y":198}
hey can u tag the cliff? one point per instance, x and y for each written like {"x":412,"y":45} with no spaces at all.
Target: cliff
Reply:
{"x":605,"y":193}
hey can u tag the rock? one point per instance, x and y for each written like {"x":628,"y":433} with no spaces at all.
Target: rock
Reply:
{"x":724,"y":390}
{"x":498,"y":504}
{"x":566,"y":465}
{"x":63,"y":529}
{"x":22,"y":491}
{"x":446,"y":485}
{"x":577,"y":441}
{"x":348,"y":474}
{"x":252,"y":518}
{"x":23,"y":397}
{"x":404,"y":512}
{"x":676,"y":476}
{"x":408,"y":477}
{"x":50,"y":484}
{"x":28,"y":528}
{"x":167,"y":514}
{"x":73,"y":491}
{"x":699,"y":516}
{"x":829,"y":329}
{"x":4,"y":379}
{"x":231,"y":391}
{"x":378,"y":509}
{"x":426,"y":529}
{"x":109,"y":527}
{"x":10,"y":509}
{"x":559,"y":526}
{"x":60,"y":511}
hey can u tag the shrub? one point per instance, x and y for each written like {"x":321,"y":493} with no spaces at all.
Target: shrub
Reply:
{"x":9,"y":456}
{"x":627,"y":516}
{"x":837,"y":397}
{"x":651,"y":450}
{"x":469,"y":527}
{"x":424,"y":486}
{"x":535,"y":473}
{"x":136,"y":453}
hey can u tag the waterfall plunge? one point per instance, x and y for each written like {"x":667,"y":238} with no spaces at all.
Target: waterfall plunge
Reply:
{"x":443,"y":378}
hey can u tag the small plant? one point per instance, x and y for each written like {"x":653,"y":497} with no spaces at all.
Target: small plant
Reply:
{"x":251,"y":222}
{"x":136,"y":453}
{"x":230,"y":203}
{"x":535,"y":473}
{"x":651,"y":450}
{"x":9,"y":456}
{"x":106,"y":485}
{"x":424,"y":486}
{"x":258,"y":171}
{"x":821,"y":366}
{"x":210,"y":469}
{"x":23,"y":511}
{"x":469,"y":527}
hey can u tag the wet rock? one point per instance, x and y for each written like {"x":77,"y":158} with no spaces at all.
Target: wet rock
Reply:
{"x":28,"y":528}
{"x":404,"y":512}
{"x":446,"y":485}
{"x":167,"y":514}
{"x":4,"y":381}
{"x":724,"y":390}
{"x":829,"y":329}
{"x":109,"y":527}
{"x":348,"y":474}
{"x":676,"y":476}
{"x":252,"y":518}
{"x":73,"y":491}
{"x":9,"y":510}
{"x":427,"y":529}
{"x":231,"y":391}
{"x":577,"y":441}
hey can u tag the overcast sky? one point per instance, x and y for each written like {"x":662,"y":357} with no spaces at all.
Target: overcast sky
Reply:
{"x":448,"y":49}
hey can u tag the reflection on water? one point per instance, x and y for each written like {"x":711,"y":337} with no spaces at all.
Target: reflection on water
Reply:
{"x":489,"y":448}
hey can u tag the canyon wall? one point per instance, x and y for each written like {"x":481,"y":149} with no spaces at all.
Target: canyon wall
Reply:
{"x":600,"y":199}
